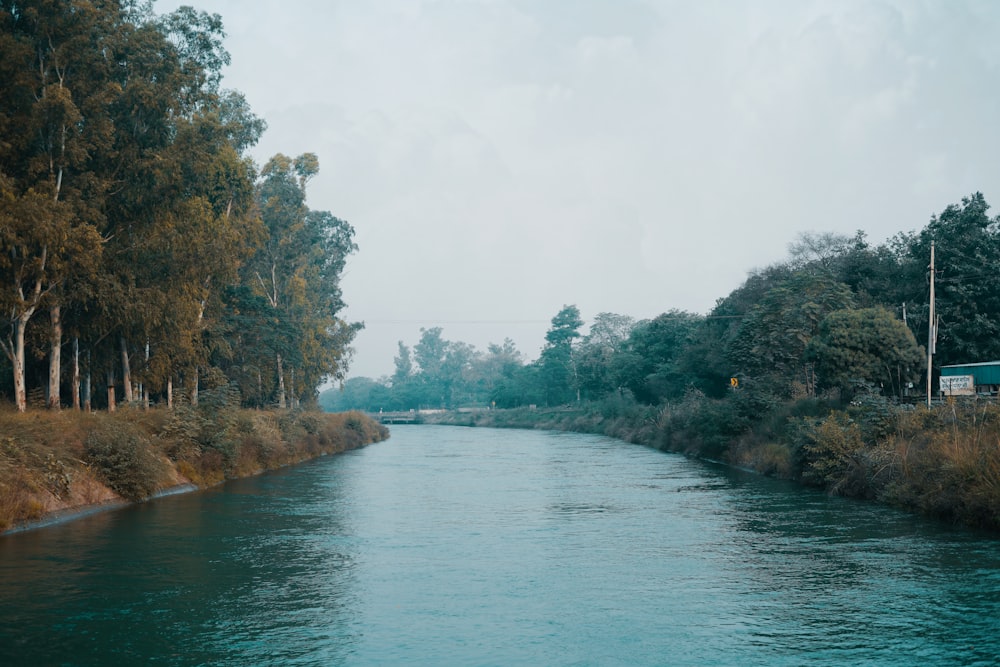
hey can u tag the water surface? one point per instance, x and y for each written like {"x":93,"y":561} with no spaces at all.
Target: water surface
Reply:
{"x":452,"y":546}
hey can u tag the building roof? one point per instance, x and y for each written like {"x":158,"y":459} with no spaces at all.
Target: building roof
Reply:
{"x":981,"y":363}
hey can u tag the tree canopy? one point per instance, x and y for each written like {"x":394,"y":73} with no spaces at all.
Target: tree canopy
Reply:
{"x":132,"y":217}
{"x":838,"y":314}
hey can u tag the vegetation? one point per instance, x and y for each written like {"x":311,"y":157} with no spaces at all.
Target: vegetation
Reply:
{"x":811,"y":369}
{"x":136,"y":232}
{"x":62,"y":461}
{"x":137,"y":236}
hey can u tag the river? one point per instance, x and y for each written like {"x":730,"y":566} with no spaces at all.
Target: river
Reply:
{"x":458,"y":546}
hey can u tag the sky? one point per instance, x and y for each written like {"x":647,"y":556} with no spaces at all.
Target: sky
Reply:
{"x":500,"y":159}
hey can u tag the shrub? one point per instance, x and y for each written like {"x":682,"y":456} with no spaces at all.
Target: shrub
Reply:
{"x":121,"y":454}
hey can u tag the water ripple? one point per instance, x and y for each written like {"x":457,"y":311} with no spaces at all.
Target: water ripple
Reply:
{"x":475,"y":547}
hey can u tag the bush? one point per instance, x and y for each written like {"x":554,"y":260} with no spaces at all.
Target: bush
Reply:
{"x":121,"y":454}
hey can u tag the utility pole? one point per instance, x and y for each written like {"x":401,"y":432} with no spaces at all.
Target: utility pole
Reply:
{"x":931,"y":332}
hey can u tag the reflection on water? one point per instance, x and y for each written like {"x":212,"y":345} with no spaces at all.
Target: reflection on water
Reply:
{"x":472,"y":546}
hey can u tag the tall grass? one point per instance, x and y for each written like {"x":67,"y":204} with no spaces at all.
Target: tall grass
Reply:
{"x":58,"y":460}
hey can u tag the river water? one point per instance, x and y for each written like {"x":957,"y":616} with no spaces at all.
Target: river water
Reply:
{"x":453,"y":546}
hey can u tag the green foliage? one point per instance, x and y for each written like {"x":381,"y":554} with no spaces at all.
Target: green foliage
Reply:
{"x":597,"y":355}
{"x":772,"y":338}
{"x":967,"y":243}
{"x":210,"y":426}
{"x":868,"y":345}
{"x":557,"y":371}
{"x":834,"y":454}
{"x":650,"y":363}
{"x":122,"y":455}
{"x":129,"y":208}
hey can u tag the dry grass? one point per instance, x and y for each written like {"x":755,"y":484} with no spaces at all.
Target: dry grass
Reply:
{"x":52,"y":461}
{"x":949,"y":460}
{"x":768,"y":458}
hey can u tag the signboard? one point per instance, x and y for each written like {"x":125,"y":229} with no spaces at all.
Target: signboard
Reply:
{"x":958,"y":385}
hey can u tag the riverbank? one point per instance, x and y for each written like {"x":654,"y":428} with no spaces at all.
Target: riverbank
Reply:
{"x":942,"y":462}
{"x":56,"y":465}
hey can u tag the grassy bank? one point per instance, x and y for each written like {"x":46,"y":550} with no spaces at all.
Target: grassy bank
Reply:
{"x":53,"y":462}
{"x":942,"y":462}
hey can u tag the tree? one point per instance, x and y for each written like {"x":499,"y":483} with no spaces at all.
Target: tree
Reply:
{"x":30,"y":226}
{"x":597,"y":352}
{"x":868,"y":345}
{"x":430,"y":351}
{"x":556,"y":368}
{"x":496,"y":367}
{"x":404,"y":365}
{"x":649,"y":364}
{"x":297,"y":270}
{"x":967,"y":244}
{"x":129,"y":212}
{"x":772,"y":338}
{"x":54,"y":91}
{"x":821,"y":250}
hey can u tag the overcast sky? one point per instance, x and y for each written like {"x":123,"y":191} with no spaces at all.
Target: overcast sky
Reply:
{"x":502,"y":158}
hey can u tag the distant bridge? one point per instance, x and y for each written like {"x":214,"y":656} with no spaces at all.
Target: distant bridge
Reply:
{"x":408,"y":417}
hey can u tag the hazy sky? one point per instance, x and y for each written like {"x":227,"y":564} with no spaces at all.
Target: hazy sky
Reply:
{"x":502,"y":158}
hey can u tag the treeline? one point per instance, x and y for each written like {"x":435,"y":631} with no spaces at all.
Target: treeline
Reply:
{"x":809,"y":370}
{"x":839,"y":316}
{"x":135,"y":232}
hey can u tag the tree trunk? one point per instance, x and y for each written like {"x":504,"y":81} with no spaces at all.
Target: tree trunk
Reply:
{"x":86,"y":392}
{"x":170,"y":393}
{"x":111,"y":390}
{"x":194,"y":388}
{"x":17,"y":361}
{"x":281,"y":385}
{"x":143,"y":389}
{"x":76,"y":373}
{"x":55,"y":358}
{"x":126,"y":372}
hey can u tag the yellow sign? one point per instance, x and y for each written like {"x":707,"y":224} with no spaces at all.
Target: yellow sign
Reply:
{"x":734,"y":382}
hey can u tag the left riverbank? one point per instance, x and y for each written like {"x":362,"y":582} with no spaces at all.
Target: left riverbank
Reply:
{"x":57,"y":465}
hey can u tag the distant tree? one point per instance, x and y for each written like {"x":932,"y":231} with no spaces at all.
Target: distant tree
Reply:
{"x":967,"y":245}
{"x":457,"y":375}
{"x":523,"y":386}
{"x":498,"y":365}
{"x":359,"y":393}
{"x":869,"y":345}
{"x":557,"y":373}
{"x":649,"y":364}
{"x":596,"y":353}
{"x":430,"y":351}
{"x":708,"y":361}
{"x":820,"y":250}
{"x":772,"y":337}
{"x":404,"y":366}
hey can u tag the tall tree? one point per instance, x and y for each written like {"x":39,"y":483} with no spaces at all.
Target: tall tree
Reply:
{"x":967,"y":244}
{"x":596,"y":353}
{"x":54,"y":90}
{"x":772,"y":338}
{"x":404,"y":366}
{"x":650,"y":362}
{"x":557,"y":371}
{"x":867,"y":345}
{"x":297,"y":270}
